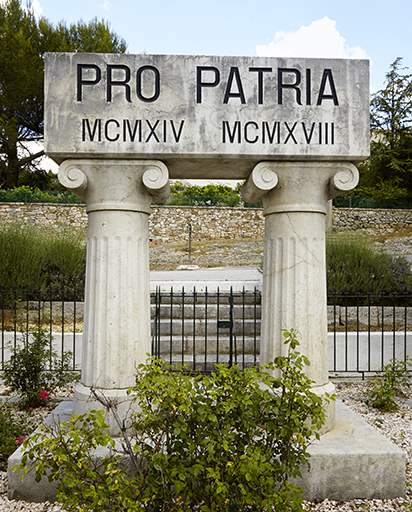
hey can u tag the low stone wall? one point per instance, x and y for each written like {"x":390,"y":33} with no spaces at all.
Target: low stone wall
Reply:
{"x":379,"y":220}
{"x":166,"y":224}
{"x":171,"y":223}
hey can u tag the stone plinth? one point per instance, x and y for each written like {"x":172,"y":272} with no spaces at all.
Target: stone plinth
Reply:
{"x":116,"y":335}
{"x":294,"y":197}
{"x":353,"y":461}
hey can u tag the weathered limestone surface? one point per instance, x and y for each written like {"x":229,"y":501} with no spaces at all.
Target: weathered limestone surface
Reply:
{"x":206,"y":116}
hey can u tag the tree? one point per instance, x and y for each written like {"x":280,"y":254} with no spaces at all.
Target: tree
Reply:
{"x":388,"y":172}
{"x":23,"y":41}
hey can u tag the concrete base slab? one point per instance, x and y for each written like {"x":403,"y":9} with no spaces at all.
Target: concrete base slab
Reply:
{"x":353,"y":461}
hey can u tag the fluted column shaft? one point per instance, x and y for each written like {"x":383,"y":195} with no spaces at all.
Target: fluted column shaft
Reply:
{"x":116,"y":334}
{"x":294,"y":196}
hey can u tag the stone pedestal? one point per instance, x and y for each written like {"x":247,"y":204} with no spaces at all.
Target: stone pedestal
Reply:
{"x":294,"y":196}
{"x":116,"y":335}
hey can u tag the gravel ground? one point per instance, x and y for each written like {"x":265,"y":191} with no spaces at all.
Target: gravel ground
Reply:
{"x":237,"y":253}
{"x":209,"y":255}
{"x":396,"y":426}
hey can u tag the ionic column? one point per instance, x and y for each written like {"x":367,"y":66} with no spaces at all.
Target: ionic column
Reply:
{"x":116,"y":335}
{"x":294,"y":196}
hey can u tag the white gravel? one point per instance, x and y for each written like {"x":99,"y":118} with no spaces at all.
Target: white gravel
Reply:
{"x":396,"y":426}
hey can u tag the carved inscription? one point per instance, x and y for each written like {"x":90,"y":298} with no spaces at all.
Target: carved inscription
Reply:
{"x":145,"y":85}
{"x":206,"y":114}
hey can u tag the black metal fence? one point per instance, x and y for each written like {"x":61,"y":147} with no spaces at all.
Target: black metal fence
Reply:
{"x":200,"y":329}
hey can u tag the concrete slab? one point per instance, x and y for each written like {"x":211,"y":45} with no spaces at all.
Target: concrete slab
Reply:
{"x":353,"y":461}
{"x":211,"y":278}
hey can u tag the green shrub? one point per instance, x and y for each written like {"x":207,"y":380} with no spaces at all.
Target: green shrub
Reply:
{"x":21,"y":257}
{"x":233,"y":440}
{"x":14,"y":428}
{"x":385,"y":387}
{"x":354,"y":267}
{"x":26,"y":194}
{"x":38,"y":258}
{"x":34,"y":370}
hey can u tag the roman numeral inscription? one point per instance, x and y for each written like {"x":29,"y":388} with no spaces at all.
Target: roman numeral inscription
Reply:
{"x":131,"y":130}
{"x":277,"y":132}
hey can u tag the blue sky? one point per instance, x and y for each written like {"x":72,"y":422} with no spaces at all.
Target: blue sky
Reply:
{"x":380,"y":30}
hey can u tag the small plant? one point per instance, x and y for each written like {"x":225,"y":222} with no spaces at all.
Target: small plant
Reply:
{"x":35,"y":370}
{"x":14,"y":428}
{"x":384,"y":388}
{"x":234,"y":440}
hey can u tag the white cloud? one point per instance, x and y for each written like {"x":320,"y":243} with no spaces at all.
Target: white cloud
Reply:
{"x":106,"y":5}
{"x":35,"y":7}
{"x":321,"y":39}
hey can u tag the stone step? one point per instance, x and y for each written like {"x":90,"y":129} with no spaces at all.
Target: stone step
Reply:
{"x":200,"y":327}
{"x":208,"y":363}
{"x":211,"y":345}
{"x":201,"y":310}
{"x":177,"y":297}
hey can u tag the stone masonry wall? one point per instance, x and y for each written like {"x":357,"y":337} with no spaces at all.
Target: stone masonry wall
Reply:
{"x":169,"y":224}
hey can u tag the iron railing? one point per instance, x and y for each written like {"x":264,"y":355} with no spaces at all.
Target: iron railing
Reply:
{"x":200,"y":329}
{"x":58,"y":312}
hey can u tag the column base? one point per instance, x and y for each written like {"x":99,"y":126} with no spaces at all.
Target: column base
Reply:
{"x":353,"y":461}
{"x":85,"y":401}
{"x":329,"y":406}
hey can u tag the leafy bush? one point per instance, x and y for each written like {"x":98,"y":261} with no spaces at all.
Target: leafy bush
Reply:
{"x":207,"y":195}
{"x":14,"y":428}
{"x":26,"y":194}
{"x":354,"y":267}
{"x":35,"y":370}
{"x":37,"y":258}
{"x":233,"y":440}
{"x":385,"y":387}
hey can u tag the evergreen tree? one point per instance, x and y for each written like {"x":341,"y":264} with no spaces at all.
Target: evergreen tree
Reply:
{"x":23,"y":41}
{"x":388,"y":172}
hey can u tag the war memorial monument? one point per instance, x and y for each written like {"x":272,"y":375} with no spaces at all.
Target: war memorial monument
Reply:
{"x":121,"y":126}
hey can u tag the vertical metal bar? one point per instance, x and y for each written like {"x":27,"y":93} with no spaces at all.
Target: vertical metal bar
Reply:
{"x":171,"y":326}
{"x":230,"y":328}
{"x":205,"y":329}
{"x":63,"y":299}
{"x":51,"y":324}
{"x":2,"y":325}
{"x":183,"y":325}
{"x":190,"y":244}
{"x":369,"y":331}
{"x":405,"y":325}
{"x":334,"y":331}
{"x":243,"y":330}
{"x":394,"y":326}
{"x":74,"y":326}
{"x":383,"y":331}
{"x":194,"y":328}
{"x":27,"y":311}
{"x":357,"y":332}
{"x":255,"y":325}
{"x":15,"y":317}
{"x":346,"y":331}
{"x":217,"y":323}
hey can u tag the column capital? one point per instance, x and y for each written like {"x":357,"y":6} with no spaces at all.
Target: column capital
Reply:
{"x":298,"y":186}
{"x":109,"y":184}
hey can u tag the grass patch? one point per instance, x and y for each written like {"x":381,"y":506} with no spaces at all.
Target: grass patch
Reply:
{"x":354,"y":267}
{"x":40,"y":258}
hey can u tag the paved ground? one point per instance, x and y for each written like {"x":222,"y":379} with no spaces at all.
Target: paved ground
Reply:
{"x":219,"y":277}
